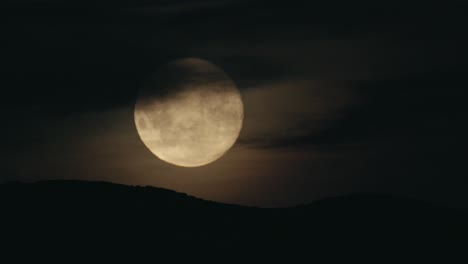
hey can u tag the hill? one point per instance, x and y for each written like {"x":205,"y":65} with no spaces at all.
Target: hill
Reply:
{"x":100,"y":215}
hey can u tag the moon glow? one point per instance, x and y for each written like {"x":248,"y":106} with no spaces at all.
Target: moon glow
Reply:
{"x":190,"y":113}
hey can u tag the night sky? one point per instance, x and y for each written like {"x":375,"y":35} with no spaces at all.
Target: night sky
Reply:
{"x":339,"y":97}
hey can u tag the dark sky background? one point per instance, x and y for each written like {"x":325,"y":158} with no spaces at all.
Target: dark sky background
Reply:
{"x":340,"y":96}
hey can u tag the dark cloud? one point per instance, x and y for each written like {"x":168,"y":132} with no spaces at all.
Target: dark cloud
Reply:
{"x":423,"y":105}
{"x":91,"y":58}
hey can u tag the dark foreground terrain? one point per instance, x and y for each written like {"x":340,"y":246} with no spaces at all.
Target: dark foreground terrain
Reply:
{"x":83,"y":217}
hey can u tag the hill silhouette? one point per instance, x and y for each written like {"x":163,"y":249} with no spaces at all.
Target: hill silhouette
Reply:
{"x":101,"y":215}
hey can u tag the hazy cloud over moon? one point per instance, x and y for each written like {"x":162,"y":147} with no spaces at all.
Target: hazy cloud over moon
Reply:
{"x":190,"y":114}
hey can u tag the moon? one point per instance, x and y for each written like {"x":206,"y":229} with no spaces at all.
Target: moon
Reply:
{"x":190,"y":113}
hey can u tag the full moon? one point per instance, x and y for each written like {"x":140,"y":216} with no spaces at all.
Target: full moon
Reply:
{"x":190,"y":113}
